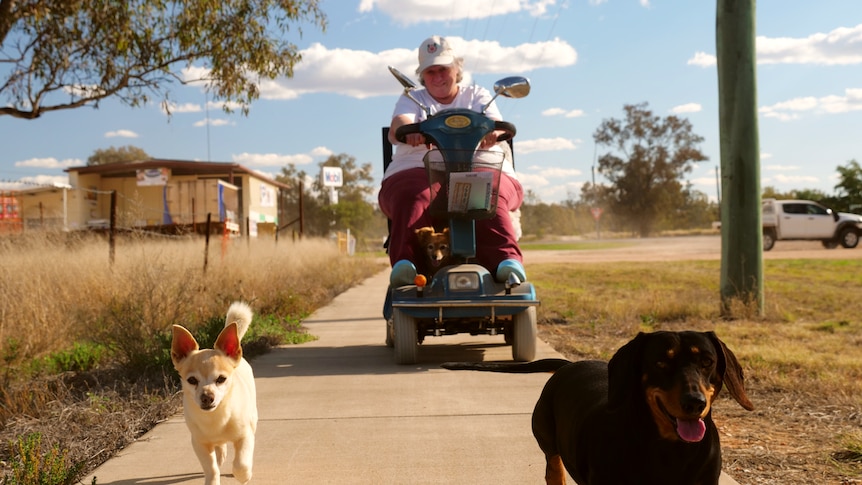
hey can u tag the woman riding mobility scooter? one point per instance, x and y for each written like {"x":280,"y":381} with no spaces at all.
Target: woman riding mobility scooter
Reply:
{"x":462,"y":297}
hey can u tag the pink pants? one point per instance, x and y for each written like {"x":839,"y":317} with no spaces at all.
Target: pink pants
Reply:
{"x":404,"y":198}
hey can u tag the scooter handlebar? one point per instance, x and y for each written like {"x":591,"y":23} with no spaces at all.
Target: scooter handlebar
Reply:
{"x":507,"y":128}
{"x":402,"y":131}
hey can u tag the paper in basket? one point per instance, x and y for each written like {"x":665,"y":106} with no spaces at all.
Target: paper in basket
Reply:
{"x":470,"y":191}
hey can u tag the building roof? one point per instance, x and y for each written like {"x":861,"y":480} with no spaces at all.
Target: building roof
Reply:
{"x":177,"y":167}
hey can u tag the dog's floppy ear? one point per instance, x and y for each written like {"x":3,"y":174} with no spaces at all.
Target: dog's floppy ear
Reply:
{"x":182,"y":345}
{"x":623,"y":375}
{"x":228,"y":342}
{"x":729,"y":372}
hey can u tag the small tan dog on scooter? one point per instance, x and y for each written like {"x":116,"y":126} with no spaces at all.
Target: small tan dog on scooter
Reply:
{"x":219,"y":399}
{"x":436,"y":246}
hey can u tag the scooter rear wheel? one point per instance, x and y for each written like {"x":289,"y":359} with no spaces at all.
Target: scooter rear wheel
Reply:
{"x":405,"y":338}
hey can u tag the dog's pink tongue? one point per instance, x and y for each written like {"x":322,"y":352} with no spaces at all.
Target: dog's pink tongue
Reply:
{"x":691,"y":430}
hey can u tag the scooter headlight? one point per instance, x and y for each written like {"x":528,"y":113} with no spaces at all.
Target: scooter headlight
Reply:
{"x":463,"y":281}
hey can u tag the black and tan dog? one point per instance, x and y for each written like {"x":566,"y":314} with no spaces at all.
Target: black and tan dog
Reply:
{"x":644,"y":418}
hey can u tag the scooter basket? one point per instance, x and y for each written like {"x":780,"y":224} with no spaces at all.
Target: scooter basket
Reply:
{"x":464,"y":184}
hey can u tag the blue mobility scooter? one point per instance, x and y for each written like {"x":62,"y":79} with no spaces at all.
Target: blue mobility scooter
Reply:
{"x":463,"y":297}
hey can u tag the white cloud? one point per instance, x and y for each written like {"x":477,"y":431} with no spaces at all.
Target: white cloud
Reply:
{"x":841,"y":46}
{"x":687,"y":108}
{"x":765,"y":156}
{"x":785,"y":168}
{"x":532,"y":180}
{"x":790,"y":179}
{"x":321,"y":152}
{"x":30,"y":182}
{"x":121,"y":134}
{"x":50,"y":163}
{"x":280,"y":160}
{"x":52,"y":180}
{"x":84,"y":90}
{"x":702,"y":59}
{"x":832,"y":104}
{"x":574,"y":113}
{"x":213,"y":122}
{"x":544,"y":145}
{"x":558,"y":173}
{"x":362,"y":74}
{"x":182,"y":108}
{"x":405,"y":13}
{"x":195,"y":74}
{"x":221,"y":105}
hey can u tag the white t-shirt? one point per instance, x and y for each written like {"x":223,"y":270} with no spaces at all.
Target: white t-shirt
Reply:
{"x":471,"y":97}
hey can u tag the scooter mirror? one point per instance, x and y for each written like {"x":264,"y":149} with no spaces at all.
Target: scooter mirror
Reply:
{"x":512,"y":87}
{"x":404,"y":80}
{"x":408,"y":85}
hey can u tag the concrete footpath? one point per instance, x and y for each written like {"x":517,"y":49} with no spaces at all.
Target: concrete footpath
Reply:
{"x":339,"y":410}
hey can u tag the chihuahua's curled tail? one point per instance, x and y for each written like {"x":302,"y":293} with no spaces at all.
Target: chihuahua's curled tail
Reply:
{"x":241,"y":314}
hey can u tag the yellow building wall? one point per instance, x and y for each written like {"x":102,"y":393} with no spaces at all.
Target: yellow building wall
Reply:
{"x":189,"y":199}
{"x":44,"y":209}
{"x":86,"y":205}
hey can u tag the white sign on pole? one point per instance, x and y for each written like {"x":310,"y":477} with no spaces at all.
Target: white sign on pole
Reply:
{"x":331,"y":176}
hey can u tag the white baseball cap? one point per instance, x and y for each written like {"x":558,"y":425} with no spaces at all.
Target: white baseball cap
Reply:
{"x":434,"y":51}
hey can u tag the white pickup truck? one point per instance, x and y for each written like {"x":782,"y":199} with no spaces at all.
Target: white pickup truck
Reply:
{"x":807,"y":220}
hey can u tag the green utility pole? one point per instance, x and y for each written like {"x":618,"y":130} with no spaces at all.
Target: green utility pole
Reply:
{"x":741,"y":230}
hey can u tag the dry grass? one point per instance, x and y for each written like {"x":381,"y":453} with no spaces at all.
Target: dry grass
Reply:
{"x":803,"y":358}
{"x":84,"y":342}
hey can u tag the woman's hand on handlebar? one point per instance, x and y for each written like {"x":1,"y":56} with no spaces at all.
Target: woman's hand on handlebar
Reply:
{"x":415,"y":139}
{"x":490,"y":139}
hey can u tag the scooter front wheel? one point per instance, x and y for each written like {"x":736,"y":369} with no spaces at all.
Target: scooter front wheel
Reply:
{"x":524,"y":335}
{"x":405,"y":338}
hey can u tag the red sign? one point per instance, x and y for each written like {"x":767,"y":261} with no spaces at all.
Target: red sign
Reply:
{"x":597,"y":212}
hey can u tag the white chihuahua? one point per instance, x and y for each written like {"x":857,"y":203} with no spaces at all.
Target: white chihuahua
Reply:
{"x":219,"y":399}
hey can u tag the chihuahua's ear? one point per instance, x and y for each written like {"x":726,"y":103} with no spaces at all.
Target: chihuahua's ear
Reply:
{"x":228,"y":342}
{"x":445,"y":231}
{"x":182,"y":345}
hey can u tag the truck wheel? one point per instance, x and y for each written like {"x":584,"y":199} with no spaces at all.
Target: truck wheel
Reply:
{"x":829,"y":243}
{"x":524,"y":335}
{"x":849,"y":238}
{"x":768,"y":239}
{"x":405,"y":338}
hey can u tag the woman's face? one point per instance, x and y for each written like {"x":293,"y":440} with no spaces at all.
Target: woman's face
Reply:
{"x":441,"y":83}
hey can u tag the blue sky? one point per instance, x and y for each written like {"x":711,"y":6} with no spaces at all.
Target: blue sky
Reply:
{"x":586,"y":59}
